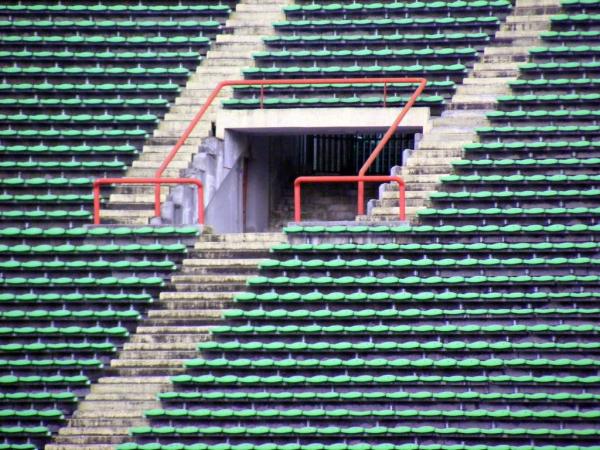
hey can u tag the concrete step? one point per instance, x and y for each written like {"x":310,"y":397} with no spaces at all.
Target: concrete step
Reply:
{"x":244,"y":237}
{"x":86,"y":446}
{"x":182,"y":313}
{"x":145,"y":363}
{"x":113,"y":409}
{"x":220,"y":263}
{"x":506,"y":50}
{"x":196,"y":304}
{"x":179,"y":338}
{"x":91,"y":422}
{"x":157,"y":354}
{"x":258,"y":247}
{"x":483,"y":89}
{"x":171,"y":331}
{"x":198,"y":296}
{"x":222,"y":279}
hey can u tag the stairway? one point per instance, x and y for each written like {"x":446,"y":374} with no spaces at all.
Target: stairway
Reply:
{"x":217,"y":268}
{"x":445,"y":136}
{"x":229,"y":54}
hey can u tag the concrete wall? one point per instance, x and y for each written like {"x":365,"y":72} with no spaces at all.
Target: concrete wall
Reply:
{"x":257,"y":185}
{"x":317,"y":120}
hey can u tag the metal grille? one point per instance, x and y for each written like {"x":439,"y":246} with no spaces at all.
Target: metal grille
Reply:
{"x":344,"y":154}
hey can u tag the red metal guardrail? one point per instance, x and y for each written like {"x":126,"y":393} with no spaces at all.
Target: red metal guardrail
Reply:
{"x":262,"y":83}
{"x":155,"y":181}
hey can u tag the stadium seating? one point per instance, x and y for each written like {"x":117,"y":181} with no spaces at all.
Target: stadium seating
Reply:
{"x":82,"y":85}
{"x":437,"y":40}
{"x":475,"y":328}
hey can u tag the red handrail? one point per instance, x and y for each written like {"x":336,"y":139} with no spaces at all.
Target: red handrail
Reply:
{"x":347,"y":179}
{"x":262,"y":83}
{"x":155,"y":181}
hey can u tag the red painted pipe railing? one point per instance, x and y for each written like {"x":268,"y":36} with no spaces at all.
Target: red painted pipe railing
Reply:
{"x":98,"y":183}
{"x":348,"y":179}
{"x":262,"y":83}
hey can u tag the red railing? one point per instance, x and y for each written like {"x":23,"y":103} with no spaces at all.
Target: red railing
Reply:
{"x":347,"y":179}
{"x":262,"y":83}
{"x":155,"y":181}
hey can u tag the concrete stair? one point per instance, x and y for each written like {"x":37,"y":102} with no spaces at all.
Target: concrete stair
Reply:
{"x":167,"y":337}
{"x":445,"y":136}
{"x":227,"y":57}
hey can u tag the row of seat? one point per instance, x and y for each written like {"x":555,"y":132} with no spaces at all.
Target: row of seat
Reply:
{"x":99,"y":264}
{"x":414,"y":247}
{"x":33,"y":364}
{"x":32,"y":102}
{"x":90,"y":249}
{"x":544,"y":114}
{"x":38,"y":396}
{"x":383,"y":379}
{"x":117,"y":41}
{"x":580,"y":83}
{"x":392,"y":313}
{"x":505,"y":215}
{"x":113,"y":9}
{"x":126,"y":25}
{"x":426,"y":330}
{"x":390,"y":346}
{"x":74,"y":71}
{"x":344,"y":413}
{"x":105,"y":55}
{"x":81,"y":315}
{"x":371,"y":298}
{"x":193,"y":431}
{"x":520,"y":196}
{"x":513,"y":228}
{"x":349,"y":40}
{"x":85,"y":232}
{"x":189,"y":397}
{"x":344,"y":71}
{"x":396,"y":24}
{"x":116,"y":299}
{"x":78,"y":347}
{"x":126,"y":149}
{"x":343,"y":446}
{"x":87,"y":87}
{"x":460,"y":52}
{"x":412,"y":7}
{"x":546,"y":163}
{"x":392,"y":280}
{"x":66,"y":331}
{"x":81,"y":282}
{"x":384,"y":263}
{"x":49,"y":380}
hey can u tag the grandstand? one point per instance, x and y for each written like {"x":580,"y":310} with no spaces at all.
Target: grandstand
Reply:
{"x":455,"y":309}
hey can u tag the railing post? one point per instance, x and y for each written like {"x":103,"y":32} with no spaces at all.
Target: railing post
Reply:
{"x":360,"y":202}
{"x":157,"y":199}
{"x":297,"y":201}
{"x":200,"y":204}
{"x":96,"y":191}
{"x":402,"y":199}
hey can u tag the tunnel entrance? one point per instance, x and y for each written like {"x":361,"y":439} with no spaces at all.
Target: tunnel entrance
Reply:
{"x":273,"y":162}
